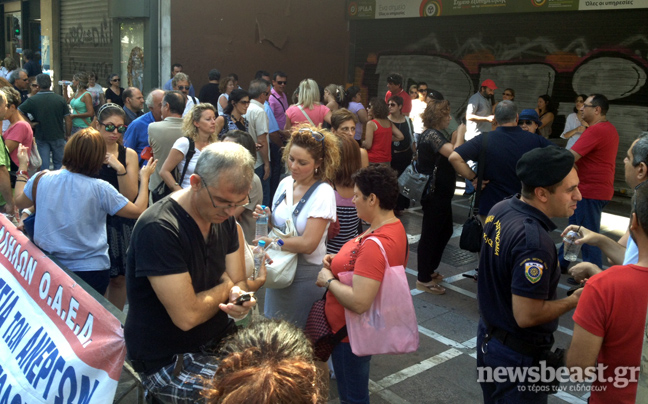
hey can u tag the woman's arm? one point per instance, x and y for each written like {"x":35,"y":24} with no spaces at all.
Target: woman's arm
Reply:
{"x":546,"y":119}
{"x":288,"y":123}
{"x":397,"y":135}
{"x":222,"y":101}
{"x":357,"y":298}
{"x":362,"y":116}
{"x":128,"y":182}
{"x":459,"y":136}
{"x":308,"y":242}
{"x":11,"y":145}
{"x":134,"y":210}
{"x":368,"y":141}
{"x":21,"y":201}
{"x":220,"y":123}
{"x":327,"y":117}
{"x":364,"y":158}
{"x":173,"y":159}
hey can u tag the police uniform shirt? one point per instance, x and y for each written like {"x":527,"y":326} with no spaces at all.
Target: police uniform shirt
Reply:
{"x":518,"y":257}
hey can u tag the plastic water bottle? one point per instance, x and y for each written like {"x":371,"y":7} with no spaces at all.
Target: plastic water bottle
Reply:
{"x":275,"y":245}
{"x":259,"y":254}
{"x":262,"y":224}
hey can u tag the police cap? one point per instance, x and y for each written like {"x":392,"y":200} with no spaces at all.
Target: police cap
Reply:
{"x":544,"y":166}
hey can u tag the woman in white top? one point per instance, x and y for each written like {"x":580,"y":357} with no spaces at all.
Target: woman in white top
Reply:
{"x":575,"y":125}
{"x":226,"y":87}
{"x":96,"y":91}
{"x":198,"y":125}
{"x":312,"y":155}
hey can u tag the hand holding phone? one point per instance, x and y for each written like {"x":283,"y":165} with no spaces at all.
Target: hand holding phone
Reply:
{"x":246,"y":297}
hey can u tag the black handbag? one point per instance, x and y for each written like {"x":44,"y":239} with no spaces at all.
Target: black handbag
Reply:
{"x":319,"y":332}
{"x":163,"y":189}
{"x":472,"y":231}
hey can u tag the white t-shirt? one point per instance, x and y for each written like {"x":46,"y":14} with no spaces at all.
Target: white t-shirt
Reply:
{"x":182,"y":145}
{"x":572,"y":123}
{"x":220,"y":108}
{"x":418,"y":107}
{"x":321,"y":204}
{"x":190,"y":104}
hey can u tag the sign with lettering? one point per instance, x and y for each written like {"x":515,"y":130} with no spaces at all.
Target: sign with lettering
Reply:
{"x":378,"y":9}
{"x":57,"y":343}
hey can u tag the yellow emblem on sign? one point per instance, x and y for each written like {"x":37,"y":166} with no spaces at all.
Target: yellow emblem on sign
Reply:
{"x":533,"y":271}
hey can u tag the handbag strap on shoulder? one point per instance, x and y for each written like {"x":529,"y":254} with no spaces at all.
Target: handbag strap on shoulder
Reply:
{"x":301,"y":202}
{"x":35,"y":186}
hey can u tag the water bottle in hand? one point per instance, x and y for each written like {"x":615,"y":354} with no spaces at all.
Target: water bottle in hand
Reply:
{"x":262,"y":223}
{"x":259,"y":255}
{"x":275,"y":245}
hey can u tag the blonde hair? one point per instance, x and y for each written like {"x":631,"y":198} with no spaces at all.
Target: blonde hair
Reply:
{"x":189,"y":129}
{"x":309,"y":93}
{"x":326,"y":151}
{"x":336,"y":91}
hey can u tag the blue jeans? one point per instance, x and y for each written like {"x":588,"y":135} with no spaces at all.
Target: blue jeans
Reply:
{"x":587,"y":214}
{"x":352,"y":374}
{"x":266,"y":185}
{"x":55,"y":147}
{"x":498,"y":355}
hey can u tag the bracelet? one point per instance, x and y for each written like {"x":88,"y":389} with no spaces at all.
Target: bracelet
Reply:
{"x":476,"y":176}
{"x":328,"y":283}
{"x":19,"y":180}
{"x":121,"y":175}
{"x":29,"y":212}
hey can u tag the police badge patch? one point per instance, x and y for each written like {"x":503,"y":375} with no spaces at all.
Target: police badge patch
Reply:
{"x":533,"y":271}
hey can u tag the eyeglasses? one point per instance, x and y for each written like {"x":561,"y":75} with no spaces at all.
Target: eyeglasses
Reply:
{"x":183,"y":87}
{"x":281,"y":83}
{"x":228,"y":206}
{"x":525,"y":122}
{"x":244,"y":102}
{"x":111,"y":128}
{"x":115,"y":80}
{"x":589,"y":106}
{"x":392,"y":104}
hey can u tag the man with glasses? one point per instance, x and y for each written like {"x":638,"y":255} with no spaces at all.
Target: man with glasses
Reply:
{"x":182,"y":83}
{"x":529,"y":120}
{"x":50,"y":118}
{"x":595,"y":153}
{"x":20,"y":81}
{"x":184,"y":274}
{"x":175,"y":69}
{"x":278,"y":100}
{"x":258,"y":129}
{"x":133,"y":104}
{"x":395,"y":87}
{"x":505,"y":145}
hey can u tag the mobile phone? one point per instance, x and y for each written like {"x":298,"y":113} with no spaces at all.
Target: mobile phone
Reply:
{"x":244,"y":298}
{"x":574,"y":289}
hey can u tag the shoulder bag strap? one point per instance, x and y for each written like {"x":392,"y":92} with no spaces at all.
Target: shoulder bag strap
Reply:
{"x":306,"y":115}
{"x":481,"y":166}
{"x":411,"y":129}
{"x":304,"y":199}
{"x":35,"y":186}
{"x":280,"y":103}
{"x":188,"y":157}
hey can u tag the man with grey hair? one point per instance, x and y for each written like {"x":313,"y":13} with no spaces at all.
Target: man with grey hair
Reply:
{"x":505,"y":146}
{"x":182,"y":83}
{"x":19,"y":79}
{"x":136,"y":136}
{"x":258,"y":129}
{"x":185,"y":273}
{"x":175,"y":69}
{"x":47,"y":112}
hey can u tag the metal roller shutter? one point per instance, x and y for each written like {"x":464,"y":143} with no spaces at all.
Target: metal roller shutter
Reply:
{"x":86,"y":38}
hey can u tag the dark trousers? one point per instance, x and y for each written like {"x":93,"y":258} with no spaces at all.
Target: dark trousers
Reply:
{"x":587,"y":214}
{"x":436,"y":230}
{"x":399,"y":162}
{"x":276,"y":169}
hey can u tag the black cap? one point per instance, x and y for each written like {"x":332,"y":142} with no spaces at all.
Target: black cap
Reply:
{"x":435,"y":95}
{"x":544,"y":166}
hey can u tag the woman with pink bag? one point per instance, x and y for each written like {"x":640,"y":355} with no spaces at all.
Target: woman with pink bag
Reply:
{"x":375,"y":194}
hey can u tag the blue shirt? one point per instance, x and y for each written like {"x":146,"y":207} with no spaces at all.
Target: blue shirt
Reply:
{"x":631,"y":253}
{"x":506,"y":145}
{"x":71,"y":219}
{"x":518,"y":257}
{"x":168,"y":87}
{"x":136,"y":136}
{"x":273,"y":126}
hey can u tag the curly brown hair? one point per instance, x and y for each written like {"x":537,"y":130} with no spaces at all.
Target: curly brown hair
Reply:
{"x":327,"y":151}
{"x":435,"y":112}
{"x":270,"y":361}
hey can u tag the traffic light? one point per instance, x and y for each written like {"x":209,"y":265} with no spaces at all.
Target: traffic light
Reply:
{"x":16,"y":27}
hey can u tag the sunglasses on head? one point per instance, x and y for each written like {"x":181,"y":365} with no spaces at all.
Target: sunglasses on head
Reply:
{"x":111,"y":128}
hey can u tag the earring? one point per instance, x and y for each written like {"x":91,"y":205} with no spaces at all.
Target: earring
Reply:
{"x":316,"y":170}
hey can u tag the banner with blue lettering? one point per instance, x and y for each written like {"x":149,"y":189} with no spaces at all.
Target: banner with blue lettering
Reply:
{"x":57,"y":343}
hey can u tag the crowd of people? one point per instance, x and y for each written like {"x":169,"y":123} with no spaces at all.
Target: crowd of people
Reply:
{"x":165,"y":204}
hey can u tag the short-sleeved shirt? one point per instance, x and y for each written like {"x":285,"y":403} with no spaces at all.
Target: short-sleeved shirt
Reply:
{"x":246,"y":220}
{"x":20,"y":132}
{"x":320,"y":205}
{"x":369,"y":263}
{"x":49,"y":110}
{"x":480,"y":106}
{"x":598,"y":147}
{"x":418,"y":107}
{"x":603,"y":310}
{"x":76,"y":236}
{"x":316,"y":114}
{"x":518,"y":257}
{"x":167,"y":241}
{"x":168,"y":86}
{"x":273,"y":126}
{"x":136,"y":136}
{"x":279,"y":104}
{"x":182,"y":145}
{"x":571,"y":123}
{"x":96,"y":92}
{"x":407,"y":100}
{"x":429,"y":145}
{"x":5,"y":160}
{"x":33,"y":68}
{"x":257,"y":126}
{"x":355,"y":107}
{"x":631,"y":253}
{"x":506,"y":145}
{"x":210,"y":93}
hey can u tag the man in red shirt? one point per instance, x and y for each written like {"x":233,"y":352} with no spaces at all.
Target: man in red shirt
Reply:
{"x":595,"y":154}
{"x":395,"y":86}
{"x":609,"y":320}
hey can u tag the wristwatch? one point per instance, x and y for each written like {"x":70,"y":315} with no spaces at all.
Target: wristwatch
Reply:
{"x":328,"y":283}
{"x":23,"y":172}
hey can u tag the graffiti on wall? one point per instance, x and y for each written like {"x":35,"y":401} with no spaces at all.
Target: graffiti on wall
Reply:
{"x":83,"y":36}
{"x":87,"y":47}
{"x":533,"y":67}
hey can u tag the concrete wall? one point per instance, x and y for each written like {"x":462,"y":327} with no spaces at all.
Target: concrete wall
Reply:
{"x":304,"y":38}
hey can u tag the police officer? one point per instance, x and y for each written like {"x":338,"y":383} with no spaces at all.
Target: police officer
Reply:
{"x":519,"y":273}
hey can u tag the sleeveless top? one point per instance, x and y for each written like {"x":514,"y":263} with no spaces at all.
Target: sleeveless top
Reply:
{"x":231,"y":124}
{"x":108,"y":174}
{"x":349,"y":222}
{"x":79,"y":107}
{"x":380,"y":151}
